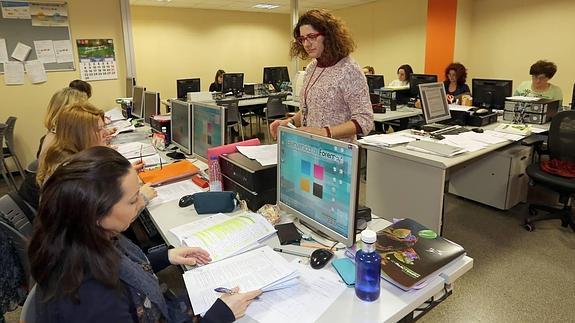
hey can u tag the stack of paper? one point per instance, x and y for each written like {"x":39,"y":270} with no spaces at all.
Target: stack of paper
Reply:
{"x":435,"y":148}
{"x":136,"y":149}
{"x":515,"y":129}
{"x":386,"y":140}
{"x":264,"y":154}
{"x":115,"y":114}
{"x":523,"y":98}
{"x":261,"y":268}
{"x":228,"y":236}
{"x":305,"y":302}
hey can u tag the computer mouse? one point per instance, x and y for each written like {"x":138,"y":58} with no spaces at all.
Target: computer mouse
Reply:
{"x":437,"y":136}
{"x":186,"y":200}
{"x":319,"y":258}
{"x":481,"y":111}
{"x":478,"y":130}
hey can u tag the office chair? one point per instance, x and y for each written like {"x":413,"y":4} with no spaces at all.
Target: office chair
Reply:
{"x":6,"y":175}
{"x":560,"y":146}
{"x":233,"y":118}
{"x":17,"y":213}
{"x":10,"y":151}
{"x":20,"y":242}
{"x":275,"y":109}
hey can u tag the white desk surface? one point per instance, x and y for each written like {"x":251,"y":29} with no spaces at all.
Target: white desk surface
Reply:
{"x":401,"y":151}
{"x":400,"y":113}
{"x":291,"y":103}
{"x":392,"y":305}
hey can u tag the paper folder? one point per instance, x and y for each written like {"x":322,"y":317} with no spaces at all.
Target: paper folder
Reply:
{"x":169,"y":173}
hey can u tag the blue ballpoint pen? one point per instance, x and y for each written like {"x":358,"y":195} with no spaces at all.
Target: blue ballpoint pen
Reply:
{"x":224,"y":290}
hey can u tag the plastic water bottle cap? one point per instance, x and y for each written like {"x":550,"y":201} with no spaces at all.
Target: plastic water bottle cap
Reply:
{"x":368,"y":236}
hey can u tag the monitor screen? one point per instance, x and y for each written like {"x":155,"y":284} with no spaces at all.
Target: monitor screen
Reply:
{"x":130,"y":83}
{"x":417,"y":79}
{"x":209,"y":128}
{"x":151,"y":105}
{"x":187,"y":85}
{"x":138,"y":101}
{"x":233,"y":82}
{"x":181,"y":127}
{"x":374,"y":82}
{"x":490,"y":94}
{"x":318,"y":182}
{"x":276,"y":76}
{"x":434,"y":102}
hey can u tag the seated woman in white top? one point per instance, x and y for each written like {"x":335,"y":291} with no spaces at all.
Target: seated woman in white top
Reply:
{"x":404,"y":76}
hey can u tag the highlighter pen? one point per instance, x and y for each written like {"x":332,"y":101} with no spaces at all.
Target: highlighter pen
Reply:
{"x":291,"y":252}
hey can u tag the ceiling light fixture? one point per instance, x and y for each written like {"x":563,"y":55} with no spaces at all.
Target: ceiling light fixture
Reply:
{"x":266,"y":6}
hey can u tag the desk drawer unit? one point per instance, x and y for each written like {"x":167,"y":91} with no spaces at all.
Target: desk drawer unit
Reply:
{"x":498,"y":179}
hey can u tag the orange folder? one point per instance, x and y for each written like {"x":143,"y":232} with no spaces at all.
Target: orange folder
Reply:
{"x":169,"y":173}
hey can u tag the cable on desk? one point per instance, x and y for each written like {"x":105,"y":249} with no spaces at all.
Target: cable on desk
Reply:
{"x":432,"y":302}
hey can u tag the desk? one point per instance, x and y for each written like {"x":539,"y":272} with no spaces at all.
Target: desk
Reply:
{"x":392,"y":305}
{"x":291,"y":103}
{"x":403,"y":183}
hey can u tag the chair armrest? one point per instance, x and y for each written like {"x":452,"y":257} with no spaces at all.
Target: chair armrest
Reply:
{"x":538,"y":142}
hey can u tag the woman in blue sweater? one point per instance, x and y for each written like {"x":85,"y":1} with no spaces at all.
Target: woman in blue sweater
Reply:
{"x":86,"y":271}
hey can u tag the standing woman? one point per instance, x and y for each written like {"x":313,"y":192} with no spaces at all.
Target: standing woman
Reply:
{"x":334,"y":99}
{"x":218,"y":80}
{"x":455,"y":78}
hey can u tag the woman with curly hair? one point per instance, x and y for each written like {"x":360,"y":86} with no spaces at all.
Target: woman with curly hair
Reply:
{"x":334,"y":99}
{"x":455,"y":86}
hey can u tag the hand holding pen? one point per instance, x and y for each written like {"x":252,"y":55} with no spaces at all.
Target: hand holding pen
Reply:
{"x":236,"y":301}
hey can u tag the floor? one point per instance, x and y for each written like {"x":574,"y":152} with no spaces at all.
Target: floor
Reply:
{"x":518,"y":276}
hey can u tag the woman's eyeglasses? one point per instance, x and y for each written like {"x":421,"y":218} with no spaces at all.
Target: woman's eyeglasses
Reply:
{"x":311,"y":37}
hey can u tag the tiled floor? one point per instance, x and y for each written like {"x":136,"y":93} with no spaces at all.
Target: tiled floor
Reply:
{"x":518,"y":276}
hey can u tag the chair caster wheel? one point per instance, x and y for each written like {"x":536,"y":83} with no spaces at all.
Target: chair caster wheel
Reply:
{"x":529,"y":227}
{"x":532,"y":211}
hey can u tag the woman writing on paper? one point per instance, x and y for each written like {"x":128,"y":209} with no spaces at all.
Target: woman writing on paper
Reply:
{"x":334,"y":99}
{"x":86,"y":271}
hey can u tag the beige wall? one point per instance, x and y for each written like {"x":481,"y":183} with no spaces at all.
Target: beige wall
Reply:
{"x":506,"y":37}
{"x":388,"y":34}
{"x":173,"y":43}
{"x":88,"y":19}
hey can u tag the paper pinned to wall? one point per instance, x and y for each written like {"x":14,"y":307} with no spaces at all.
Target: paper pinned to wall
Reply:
{"x":3,"y":51}
{"x":63,"y":51}
{"x":36,"y":72}
{"x":15,"y":10}
{"x":13,"y":73}
{"x":45,"y":51}
{"x":49,"y":14}
{"x":21,"y":52}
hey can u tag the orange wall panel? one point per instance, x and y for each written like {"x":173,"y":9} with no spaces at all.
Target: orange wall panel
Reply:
{"x":440,"y":38}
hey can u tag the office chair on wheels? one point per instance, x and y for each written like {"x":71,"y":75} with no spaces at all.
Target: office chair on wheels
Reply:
{"x":560,"y":147}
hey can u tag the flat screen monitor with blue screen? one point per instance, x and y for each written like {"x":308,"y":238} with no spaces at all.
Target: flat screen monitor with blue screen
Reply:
{"x":181,"y":127}
{"x":209,"y":128}
{"x":318,"y":182}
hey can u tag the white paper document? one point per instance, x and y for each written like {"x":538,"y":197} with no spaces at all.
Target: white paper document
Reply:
{"x":386,"y":140}
{"x":21,"y":52}
{"x":3,"y":51}
{"x":115,"y":114}
{"x":136,"y":150}
{"x":151,"y":161}
{"x":256,"y":269}
{"x":264,"y":154}
{"x":36,"y":72}
{"x":523,"y":98}
{"x":15,"y":10}
{"x":63,"y":51}
{"x":435,"y":148}
{"x":172,"y":192}
{"x":186,"y":230}
{"x":305,"y":302}
{"x":235,"y":234}
{"x":13,"y":73}
{"x":465,"y":142}
{"x":45,"y":51}
{"x":506,"y":136}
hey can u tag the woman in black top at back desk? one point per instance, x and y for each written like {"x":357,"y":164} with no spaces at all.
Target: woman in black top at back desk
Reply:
{"x":455,"y":77}
{"x":218,"y":81}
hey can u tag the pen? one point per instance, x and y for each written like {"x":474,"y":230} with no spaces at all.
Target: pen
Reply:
{"x":224,"y":290}
{"x":141,"y":159}
{"x":291,"y":252}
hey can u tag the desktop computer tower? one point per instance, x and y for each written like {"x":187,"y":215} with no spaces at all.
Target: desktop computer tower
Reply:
{"x":537,"y":112}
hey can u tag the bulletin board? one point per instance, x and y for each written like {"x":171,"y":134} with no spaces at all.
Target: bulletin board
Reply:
{"x":22,"y":30}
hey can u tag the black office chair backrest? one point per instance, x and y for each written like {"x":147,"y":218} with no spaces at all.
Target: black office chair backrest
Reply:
{"x":275,"y":108}
{"x":9,"y":133}
{"x":20,"y":243}
{"x":16,"y":212}
{"x":561,"y":141}
{"x":232,"y":111}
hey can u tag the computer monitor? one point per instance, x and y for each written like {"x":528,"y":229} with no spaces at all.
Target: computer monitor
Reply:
{"x":181,"y":127}
{"x":318,"y":182}
{"x":130,"y":83}
{"x":276,"y":76}
{"x":187,"y":85}
{"x":417,"y":79}
{"x":209,"y":126}
{"x":151,"y":105}
{"x":490,"y":94}
{"x":434,"y":102}
{"x":138,"y":102}
{"x":233,"y":82}
{"x":374,"y":82}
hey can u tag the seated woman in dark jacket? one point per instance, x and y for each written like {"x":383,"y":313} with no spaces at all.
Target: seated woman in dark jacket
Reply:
{"x":86,"y":270}
{"x":455,"y":78}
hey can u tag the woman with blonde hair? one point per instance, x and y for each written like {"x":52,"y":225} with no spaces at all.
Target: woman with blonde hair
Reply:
{"x":59,"y":100}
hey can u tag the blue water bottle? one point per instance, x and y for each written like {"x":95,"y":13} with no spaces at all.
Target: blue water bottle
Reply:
{"x":367,"y":268}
